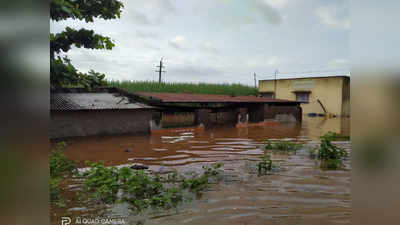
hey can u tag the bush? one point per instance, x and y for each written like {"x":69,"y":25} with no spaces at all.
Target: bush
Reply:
{"x":285,"y":146}
{"x":333,"y":136}
{"x":330,"y":155}
{"x":59,"y":164}
{"x":60,"y":167}
{"x":140,"y":189}
{"x":265,"y":165}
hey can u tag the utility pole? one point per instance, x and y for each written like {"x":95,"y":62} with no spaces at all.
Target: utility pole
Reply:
{"x":276,"y":71}
{"x":255,"y":80}
{"x":160,"y":70}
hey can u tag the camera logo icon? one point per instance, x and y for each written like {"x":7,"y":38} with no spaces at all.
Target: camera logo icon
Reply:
{"x":65,"y":220}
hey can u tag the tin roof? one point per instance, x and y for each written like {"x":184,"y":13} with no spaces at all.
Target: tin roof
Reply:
{"x":309,"y":77}
{"x":92,"y":101}
{"x":206,"y":98}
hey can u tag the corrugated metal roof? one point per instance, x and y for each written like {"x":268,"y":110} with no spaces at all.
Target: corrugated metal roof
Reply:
{"x":206,"y":98}
{"x":309,"y":77}
{"x":92,"y":101}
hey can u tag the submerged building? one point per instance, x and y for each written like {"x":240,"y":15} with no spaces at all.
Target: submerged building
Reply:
{"x":317,"y":95}
{"x":77,"y":112}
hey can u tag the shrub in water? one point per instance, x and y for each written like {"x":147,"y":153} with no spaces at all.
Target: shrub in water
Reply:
{"x":330,"y":155}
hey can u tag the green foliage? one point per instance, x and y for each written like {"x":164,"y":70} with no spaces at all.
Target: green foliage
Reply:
{"x":54,"y":188}
{"x":59,"y":164}
{"x":265,"y":165}
{"x":62,"y":72}
{"x":333,"y":136}
{"x":101,"y":183}
{"x":140,"y":189}
{"x":330,"y":155}
{"x":60,"y":167}
{"x":85,"y":9}
{"x":198,"y":183}
{"x":285,"y":146}
{"x":200,"y":88}
{"x":81,"y":38}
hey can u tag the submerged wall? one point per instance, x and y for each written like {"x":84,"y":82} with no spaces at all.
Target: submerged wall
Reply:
{"x":105,"y":122}
{"x":283,"y":113}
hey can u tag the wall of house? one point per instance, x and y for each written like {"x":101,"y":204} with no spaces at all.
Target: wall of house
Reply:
{"x":223,"y":116}
{"x":283,"y":113}
{"x":328,"y":90}
{"x":177,"y":119}
{"x":87,"y":123}
{"x":346,"y":97}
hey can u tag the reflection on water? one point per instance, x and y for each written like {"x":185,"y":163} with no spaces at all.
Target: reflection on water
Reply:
{"x":220,"y":142}
{"x":300,"y":193}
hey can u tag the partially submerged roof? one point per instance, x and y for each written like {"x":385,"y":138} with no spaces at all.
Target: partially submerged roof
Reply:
{"x":92,"y":101}
{"x":206,"y":98}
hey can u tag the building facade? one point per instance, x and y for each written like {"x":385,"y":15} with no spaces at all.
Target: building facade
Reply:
{"x":319,"y":95}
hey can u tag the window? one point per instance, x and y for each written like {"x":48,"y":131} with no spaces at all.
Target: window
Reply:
{"x":302,"y":97}
{"x":267,"y":94}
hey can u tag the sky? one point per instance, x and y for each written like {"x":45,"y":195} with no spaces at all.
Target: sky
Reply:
{"x":219,"y":41}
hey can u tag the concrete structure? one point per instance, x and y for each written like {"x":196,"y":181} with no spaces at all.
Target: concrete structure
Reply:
{"x":320,"y":95}
{"x":77,"y":113}
{"x":214,"y":110}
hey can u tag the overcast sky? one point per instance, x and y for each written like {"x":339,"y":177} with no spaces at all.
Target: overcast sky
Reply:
{"x":220,"y":40}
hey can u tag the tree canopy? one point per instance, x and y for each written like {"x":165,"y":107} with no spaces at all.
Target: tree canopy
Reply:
{"x":62,"y":72}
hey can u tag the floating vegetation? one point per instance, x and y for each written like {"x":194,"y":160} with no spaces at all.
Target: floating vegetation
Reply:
{"x":286,"y":146}
{"x":142,"y":190}
{"x":330,"y":155}
{"x":265,"y":165}
{"x":60,"y":167}
{"x":333,"y":136}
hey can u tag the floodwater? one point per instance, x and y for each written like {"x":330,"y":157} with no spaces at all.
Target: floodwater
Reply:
{"x":297,"y":193}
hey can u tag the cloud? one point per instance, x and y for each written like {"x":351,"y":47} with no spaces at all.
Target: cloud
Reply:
{"x":139,"y":18}
{"x":179,"y":42}
{"x":279,"y":4}
{"x":268,"y":12}
{"x":339,"y":63}
{"x":209,"y":47}
{"x":147,"y":12}
{"x":331,"y":16}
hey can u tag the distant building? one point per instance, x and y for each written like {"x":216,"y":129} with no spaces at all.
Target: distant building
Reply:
{"x":316,"y":94}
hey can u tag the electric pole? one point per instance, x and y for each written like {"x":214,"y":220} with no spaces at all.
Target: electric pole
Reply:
{"x":255,"y":80}
{"x":276,"y":71}
{"x":160,"y":70}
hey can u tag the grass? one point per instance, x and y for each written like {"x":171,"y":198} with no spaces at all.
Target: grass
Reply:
{"x":333,"y":136}
{"x":284,"y":146}
{"x":195,"y":88}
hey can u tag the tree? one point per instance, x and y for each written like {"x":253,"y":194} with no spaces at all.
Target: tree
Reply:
{"x":62,"y":72}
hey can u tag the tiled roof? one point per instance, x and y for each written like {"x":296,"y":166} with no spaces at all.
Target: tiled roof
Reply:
{"x":206,"y":98}
{"x":92,"y":101}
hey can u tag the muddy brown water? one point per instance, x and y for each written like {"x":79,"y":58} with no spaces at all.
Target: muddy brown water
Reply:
{"x":297,"y":193}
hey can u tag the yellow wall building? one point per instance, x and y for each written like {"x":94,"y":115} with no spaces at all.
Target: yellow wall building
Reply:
{"x":314,"y":93}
